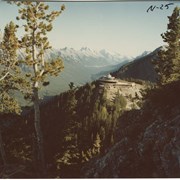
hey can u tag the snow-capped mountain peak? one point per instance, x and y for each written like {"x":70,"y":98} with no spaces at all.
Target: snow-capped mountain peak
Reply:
{"x":85,"y":49}
{"x":92,"y":57}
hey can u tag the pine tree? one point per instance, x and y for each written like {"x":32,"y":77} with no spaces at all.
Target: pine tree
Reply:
{"x":168,"y":64}
{"x":37,"y":23}
{"x":9,"y":77}
{"x":102,"y":133}
{"x":71,"y":85}
{"x":176,"y":45}
{"x":97,"y":145}
{"x":70,"y":154}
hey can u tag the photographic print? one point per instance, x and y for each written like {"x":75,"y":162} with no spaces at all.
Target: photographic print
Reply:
{"x":89,"y":89}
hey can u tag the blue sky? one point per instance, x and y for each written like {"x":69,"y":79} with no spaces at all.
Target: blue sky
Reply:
{"x":124,"y":27}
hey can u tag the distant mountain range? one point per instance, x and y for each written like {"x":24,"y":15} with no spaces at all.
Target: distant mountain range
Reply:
{"x":88,"y":57}
{"x":140,"y":68}
{"x":85,"y":65}
{"x":81,"y":66}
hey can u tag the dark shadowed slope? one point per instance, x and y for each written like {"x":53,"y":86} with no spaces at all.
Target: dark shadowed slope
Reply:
{"x":147,"y":140}
{"x":141,"y":68}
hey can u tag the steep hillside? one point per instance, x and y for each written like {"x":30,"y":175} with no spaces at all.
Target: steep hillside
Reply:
{"x":141,"y":68}
{"x":72,"y":123}
{"x":147,"y":140}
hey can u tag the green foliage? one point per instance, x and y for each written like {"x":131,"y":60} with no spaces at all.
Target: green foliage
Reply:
{"x":93,"y":151}
{"x":10,"y":78}
{"x":164,"y":96}
{"x":8,"y":104}
{"x":78,"y":125}
{"x":70,"y":152}
{"x":168,"y":65}
{"x":90,"y":119}
{"x":37,"y":22}
{"x":71,"y":85}
{"x":97,"y":145}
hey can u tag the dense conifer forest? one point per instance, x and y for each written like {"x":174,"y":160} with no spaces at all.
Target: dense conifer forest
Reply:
{"x":77,"y":125}
{"x":60,"y":136}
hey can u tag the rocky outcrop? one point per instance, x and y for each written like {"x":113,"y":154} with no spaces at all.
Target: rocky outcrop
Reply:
{"x":147,"y":141}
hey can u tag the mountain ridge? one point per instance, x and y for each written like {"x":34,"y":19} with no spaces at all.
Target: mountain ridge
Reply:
{"x":81,"y":66}
{"x":89,"y":56}
{"x":141,"y":68}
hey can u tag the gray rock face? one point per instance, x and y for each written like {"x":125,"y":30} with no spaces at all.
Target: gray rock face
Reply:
{"x":147,"y":144}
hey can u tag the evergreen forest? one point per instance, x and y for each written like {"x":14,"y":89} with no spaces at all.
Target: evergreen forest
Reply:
{"x":58,"y":137}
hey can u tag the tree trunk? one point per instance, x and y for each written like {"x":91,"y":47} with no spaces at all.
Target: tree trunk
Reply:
{"x":39,"y":134}
{"x":3,"y":154}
